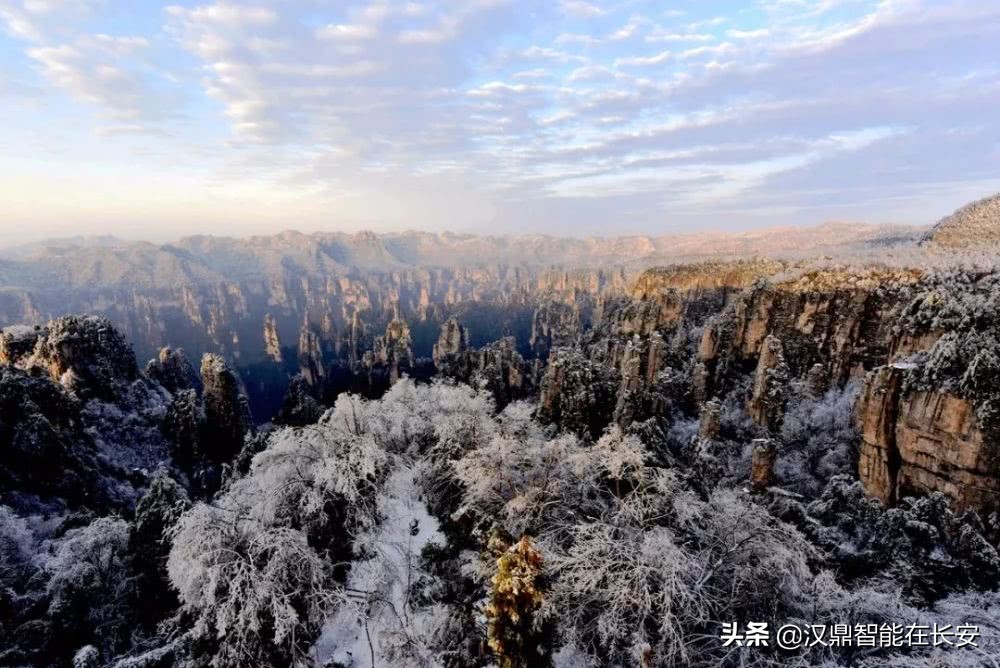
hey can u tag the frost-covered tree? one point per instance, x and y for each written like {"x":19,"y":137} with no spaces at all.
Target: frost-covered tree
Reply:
{"x":89,"y":585}
{"x":149,"y":545}
{"x":818,"y":439}
{"x":259,"y":593}
{"x":257,"y":567}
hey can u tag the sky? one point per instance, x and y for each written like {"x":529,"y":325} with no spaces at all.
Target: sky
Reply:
{"x":570,"y":117}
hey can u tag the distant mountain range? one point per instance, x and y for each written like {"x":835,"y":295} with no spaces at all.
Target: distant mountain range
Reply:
{"x":107,"y":262}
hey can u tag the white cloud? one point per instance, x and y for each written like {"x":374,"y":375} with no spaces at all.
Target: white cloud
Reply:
{"x":579,"y":9}
{"x":513,"y":103}
{"x":644,"y":61}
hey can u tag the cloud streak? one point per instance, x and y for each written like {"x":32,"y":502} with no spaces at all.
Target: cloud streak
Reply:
{"x":522,"y":111}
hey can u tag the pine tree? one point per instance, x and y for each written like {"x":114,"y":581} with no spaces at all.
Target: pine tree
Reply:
{"x":515,"y":597}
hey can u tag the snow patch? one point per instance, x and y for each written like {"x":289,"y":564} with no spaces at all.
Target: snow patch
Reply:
{"x":383,"y":619}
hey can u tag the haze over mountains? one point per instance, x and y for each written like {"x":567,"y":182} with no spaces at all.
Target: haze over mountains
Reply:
{"x":247,"y":297}
{"x":105,"y":262}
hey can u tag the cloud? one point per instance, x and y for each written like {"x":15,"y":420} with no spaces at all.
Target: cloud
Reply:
{"x":523,"y":108}
{"x":579,"y":9}
{"x":643,"y":61}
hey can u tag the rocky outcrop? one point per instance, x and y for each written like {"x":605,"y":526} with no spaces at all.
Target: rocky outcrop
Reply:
{"x":272,"y":344}
{"x":299,"y":407}
{"x":393,"y":351}
{"x":87,"y":355}
{"x":501,"y":369}
{"x":764,"y":454}
{"x":577,"y":394}
{"x":769,"y":392}
{"x":227,"y":414}
{"x":496,"y":366}
{"x":173,"y":370}
{"x":877,"y":413}
{"x":452,"y":344}
{"x":553,"y":324}
{"x":640,"y":393}
{"x":18,"y":342}
{"x":845,"y":320}
{"x":46,"y":452}
{"x":917,"y":441}
{"x":975,"y":225}
{"x":709,"y":420}
{"x":184,"y":425}
{"x":817,"y":381}
{"x":311,"y":365}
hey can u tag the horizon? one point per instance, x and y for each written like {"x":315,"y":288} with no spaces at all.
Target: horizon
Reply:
{"x":242,"y":119}
{"x":166,"y":241}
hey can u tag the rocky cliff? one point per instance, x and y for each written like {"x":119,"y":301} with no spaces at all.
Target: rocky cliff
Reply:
{"x":915,"y":442}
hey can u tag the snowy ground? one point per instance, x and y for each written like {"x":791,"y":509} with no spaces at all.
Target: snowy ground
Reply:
{"x":382,"y":621}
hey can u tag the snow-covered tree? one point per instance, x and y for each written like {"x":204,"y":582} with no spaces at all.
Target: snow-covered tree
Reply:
{"x":89,"y":585}
{"x":257,"y":567}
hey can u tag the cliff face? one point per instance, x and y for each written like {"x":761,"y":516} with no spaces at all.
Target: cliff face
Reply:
{"x":497,"y":366}
{"x":272,"y":344}
{"x":842,"y":320}
{"x":917,"y":442}
{"x":598,"y":346}
{"x":766,"y":405}
{"x":312,"y":367}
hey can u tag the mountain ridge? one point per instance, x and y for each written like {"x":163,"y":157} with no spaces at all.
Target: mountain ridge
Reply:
{"x":203,"y":259}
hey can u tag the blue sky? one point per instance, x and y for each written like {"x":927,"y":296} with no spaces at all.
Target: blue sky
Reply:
{"x":569,"y":117}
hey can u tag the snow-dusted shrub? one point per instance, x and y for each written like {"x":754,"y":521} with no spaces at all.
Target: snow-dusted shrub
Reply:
{"x":920,"y":547}
{"x":462,"y":421}
{"x":87,"y":656}
{"x":16,"y":548}
{"x":650,"y":575}
{"x":531,"y":483}
{"x":818,"y":440}
{"x":88,"y":585}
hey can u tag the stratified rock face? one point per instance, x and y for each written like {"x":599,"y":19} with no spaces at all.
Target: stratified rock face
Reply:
{"x":272,"y":345}
{"x":576,"y":393}
{"x":311,"y":366}
{"x":709,"y":421}
{"x":763,"y":457}
{"x":393,"y":350}
{"x":18,"y":342}
{"x":553,"y":324}
{"x":917,"y":441}
{"x":173,"y":370}
{"x":640,"y":394}
{"x":451,"y":344}
{"x":227,"y":415}
{"x":877,"y":412}
{"x":86,"y":355}
{"x":767,"y":401}
{"x":846,"y":320}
